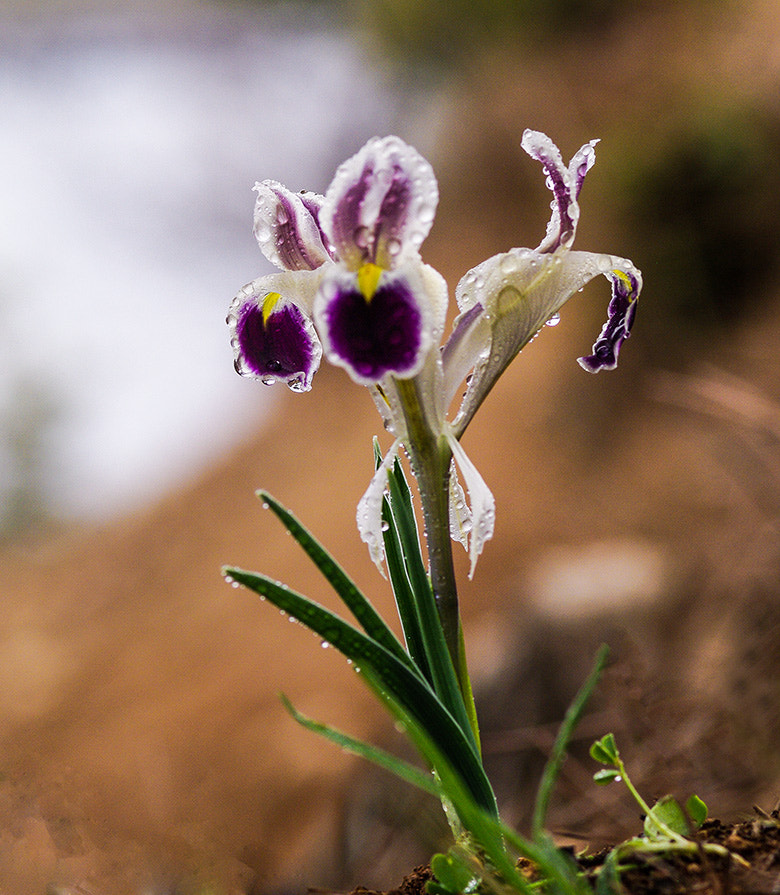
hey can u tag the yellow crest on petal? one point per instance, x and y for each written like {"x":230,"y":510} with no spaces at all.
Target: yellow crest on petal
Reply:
{"x":368,"y":279}
{"x":269,"y":303}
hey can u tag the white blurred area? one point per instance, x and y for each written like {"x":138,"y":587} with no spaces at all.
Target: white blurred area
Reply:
{"x":130,"y":139}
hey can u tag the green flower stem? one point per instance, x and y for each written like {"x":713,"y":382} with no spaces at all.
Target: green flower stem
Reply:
{"x":431,"y":457}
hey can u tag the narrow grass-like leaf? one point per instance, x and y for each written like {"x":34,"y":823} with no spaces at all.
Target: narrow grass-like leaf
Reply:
{"x":389,"y":673}
{"x":408,"y":772}
{"x":358,"y":604}
{"x":426,"y":616}
{"x":402,"y":591}
{"x":558,"y":754}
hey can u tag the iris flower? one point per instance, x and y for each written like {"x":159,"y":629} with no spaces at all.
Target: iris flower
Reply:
{"x":352,"y":285}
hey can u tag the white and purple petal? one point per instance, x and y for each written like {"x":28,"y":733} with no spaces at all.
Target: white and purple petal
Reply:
{"x":565,"y":183}
{"x":381,"y":204}
{"x":385,"y":329}
{"x":272,"y":334}
{"x":626,"y":284}
{"x":287,"y":227}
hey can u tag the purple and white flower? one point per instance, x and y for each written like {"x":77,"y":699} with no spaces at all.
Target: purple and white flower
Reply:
{"x":353,"y":286}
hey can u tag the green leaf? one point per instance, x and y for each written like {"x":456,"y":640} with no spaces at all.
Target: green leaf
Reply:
{"x":697,"y":810}
{"x":608,"y":880}
{"x":421,"y":618}
{"x":397,"y":766}
{"x":402,"y":591}
{"x":666,"y":813}
{"x":370,"y":620}
{"x":387,"y":672}
{"x":453,"y":873}
{"x":605,"y":776}
{"x":558,"y":754}
{"x":605,"y":750}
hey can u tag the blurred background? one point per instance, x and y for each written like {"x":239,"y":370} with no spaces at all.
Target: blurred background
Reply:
{"x":142,"y":744}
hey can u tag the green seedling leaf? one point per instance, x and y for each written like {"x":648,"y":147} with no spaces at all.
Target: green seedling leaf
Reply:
{"x":453,"y":875}
{"x":666,"y":815}
{"x":387,"y":672}
{"x":605,"y":750}
{"x":606,"y":776}
{"x":357,"y":603}
{"x":558,"y":754}
{"x":374,"y":754}
{"x":697,"y":810}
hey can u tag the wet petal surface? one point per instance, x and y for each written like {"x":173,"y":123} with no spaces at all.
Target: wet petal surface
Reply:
{"x":287,"y":227}
{"x":273,"y":339}
{"x":373,"y":334}
{"x":380,"y":205}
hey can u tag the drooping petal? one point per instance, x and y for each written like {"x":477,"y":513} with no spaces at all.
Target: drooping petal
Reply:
{"x":565,"y":183}
{"x":272,"y":334}
{"x":626,"y":284}
{"x":369,"y":510}
{"x":287,"y":227}
{"x":482,"y":503}
{"x":378,"y":322}
{"x":380,"y":205}
{"x":520,"y":291}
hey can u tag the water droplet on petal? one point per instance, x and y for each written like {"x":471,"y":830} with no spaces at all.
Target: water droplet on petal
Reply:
{"x":361,"y":236}
{"x":393,"y":247}
{"x":324,"y":644}
{"x":554,"y":320}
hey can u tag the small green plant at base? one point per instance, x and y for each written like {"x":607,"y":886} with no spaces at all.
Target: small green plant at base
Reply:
{"x":668,"y":825}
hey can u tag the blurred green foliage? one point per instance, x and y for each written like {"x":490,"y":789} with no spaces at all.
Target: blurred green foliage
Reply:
{"x":703,"y":202}
{"x":444,"y":32}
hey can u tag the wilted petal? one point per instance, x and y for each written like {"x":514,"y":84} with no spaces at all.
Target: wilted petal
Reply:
{"x":380,"y":205}
{"x":626,"y":284}
{"x":378,"y":322}
{"x":482,"y":503}
{"x":272,"y":333}
{"x":369,"y":511}
{"x":287,"y":227}
{"x":565,"y":183}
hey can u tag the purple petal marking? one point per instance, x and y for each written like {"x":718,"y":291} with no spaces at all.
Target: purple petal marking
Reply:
{"x":460,"y":329}
{"x":346,"y":231}
{"x":380,"y":205}
{"x":620,"y":319}
{"x":280,"y":347}
{"x":375,"y":337}
{"x":287,"y":227}
{"x":565,"y":212}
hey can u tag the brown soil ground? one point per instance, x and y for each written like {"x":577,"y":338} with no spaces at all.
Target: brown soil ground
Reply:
{"x":753,"y":867}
